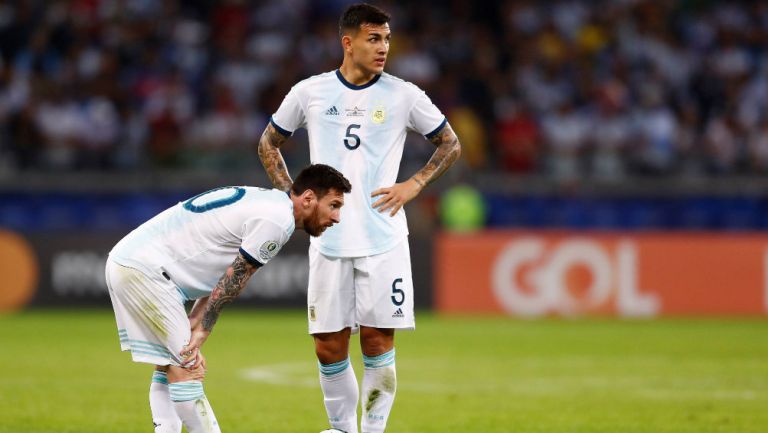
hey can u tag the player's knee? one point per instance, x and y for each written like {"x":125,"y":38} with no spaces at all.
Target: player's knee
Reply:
{"x":375,"y":341}
{"x":179,"y":374}
{"x":332,"y":347}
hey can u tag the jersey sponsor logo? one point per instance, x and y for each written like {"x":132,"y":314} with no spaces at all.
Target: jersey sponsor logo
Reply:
{"x":312,"y":314}
{"x":355,"y":112}
{"x":332,"y":111}
{"x":379,"y":115}
{"x":268,"y":250}
{"x":398,"y":313}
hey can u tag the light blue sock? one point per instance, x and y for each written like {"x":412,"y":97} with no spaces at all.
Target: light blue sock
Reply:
{"x":193,"y":408}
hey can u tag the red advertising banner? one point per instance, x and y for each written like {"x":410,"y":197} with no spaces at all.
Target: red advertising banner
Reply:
{"x":534,"y":274}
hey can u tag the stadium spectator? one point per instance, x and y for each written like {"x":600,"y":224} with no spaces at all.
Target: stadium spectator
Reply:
{"x":117,"y":84}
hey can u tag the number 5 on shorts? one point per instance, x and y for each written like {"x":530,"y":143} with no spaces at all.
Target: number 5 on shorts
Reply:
{"x":397,"y":292}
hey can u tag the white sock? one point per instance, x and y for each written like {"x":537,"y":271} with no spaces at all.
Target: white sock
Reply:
{"x":340,"y":394}
{"x":163,"y":414}
{"x":379,"y":386}
{"x":193,"y":408}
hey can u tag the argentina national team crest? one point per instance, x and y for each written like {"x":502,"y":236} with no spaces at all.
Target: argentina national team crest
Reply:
{"x":379,"y":114}
{"x":268,"y":250}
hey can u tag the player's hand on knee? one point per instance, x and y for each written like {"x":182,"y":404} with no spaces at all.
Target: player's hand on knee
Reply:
{"x":182,"y":374}
{"x":197,"y":373}
{"x":190,"y":354}
{"x":201,"y":361}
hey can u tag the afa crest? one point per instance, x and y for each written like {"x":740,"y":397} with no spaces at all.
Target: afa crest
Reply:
{"x":379,"y":115}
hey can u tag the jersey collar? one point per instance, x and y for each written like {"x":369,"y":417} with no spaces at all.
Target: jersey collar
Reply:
{"x":354,"y":87}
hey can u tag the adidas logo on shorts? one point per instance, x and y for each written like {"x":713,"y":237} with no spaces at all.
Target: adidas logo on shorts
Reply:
{"x":399,"y":313}
{"x":332,"y":111}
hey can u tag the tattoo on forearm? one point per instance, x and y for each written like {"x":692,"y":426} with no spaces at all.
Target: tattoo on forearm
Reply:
{"x":272,"y":159}
{"x":227,"y":289}
{"x":447,"y":152}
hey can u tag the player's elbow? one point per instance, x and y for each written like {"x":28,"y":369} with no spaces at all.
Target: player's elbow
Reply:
{"x":456,"y":148}
{"x":262,"y":147}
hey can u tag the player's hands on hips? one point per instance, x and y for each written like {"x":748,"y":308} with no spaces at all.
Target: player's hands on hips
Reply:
{"x":396,"y":196}
{"x":191,"y":356}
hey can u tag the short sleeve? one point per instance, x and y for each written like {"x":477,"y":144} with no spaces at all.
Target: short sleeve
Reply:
{"x":424,"y":117}
{"x":262,"y":240}
{"x":290,"y":115}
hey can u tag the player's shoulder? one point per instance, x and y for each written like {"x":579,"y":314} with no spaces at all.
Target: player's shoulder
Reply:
{"x":271,"y":195}
{"x":392,"y":80}
{"x":315,"y":79}
{"x":271,"y":204}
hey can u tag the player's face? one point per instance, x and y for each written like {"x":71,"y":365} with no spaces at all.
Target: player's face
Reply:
{"x":326,"y":213}
{"x":370,"y":46}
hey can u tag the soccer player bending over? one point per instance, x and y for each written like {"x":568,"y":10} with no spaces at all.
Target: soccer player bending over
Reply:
{"x":360,"y":270}
{"x":205,"y":249}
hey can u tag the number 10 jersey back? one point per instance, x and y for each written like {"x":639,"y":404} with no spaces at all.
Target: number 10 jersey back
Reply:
{"x":360,"y":131}
{"x":194,"y":242}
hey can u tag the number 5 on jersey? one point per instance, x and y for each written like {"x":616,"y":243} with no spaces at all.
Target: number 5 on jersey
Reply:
{"x":352,"y":141}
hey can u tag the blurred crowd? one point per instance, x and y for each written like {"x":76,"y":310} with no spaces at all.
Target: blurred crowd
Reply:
{"x":568,"y":89}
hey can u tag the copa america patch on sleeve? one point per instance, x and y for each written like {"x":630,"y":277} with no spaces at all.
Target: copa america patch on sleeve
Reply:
{"x":268,"y":250}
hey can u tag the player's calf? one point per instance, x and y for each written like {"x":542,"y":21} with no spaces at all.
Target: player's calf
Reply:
{"x":189,"y":400}
{"x":164,"y":417}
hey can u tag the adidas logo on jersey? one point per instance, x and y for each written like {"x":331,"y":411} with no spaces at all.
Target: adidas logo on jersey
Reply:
{"x":399,"y":313}
{"x":332,"y":111}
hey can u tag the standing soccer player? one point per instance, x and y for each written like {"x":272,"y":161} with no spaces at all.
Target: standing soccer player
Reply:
{"x":360,"y":271}
{"x":205,"y":248}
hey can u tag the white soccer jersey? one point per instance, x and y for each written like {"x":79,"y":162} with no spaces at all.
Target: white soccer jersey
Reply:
{"x":195,"y":241}
{"x":360,"y":131}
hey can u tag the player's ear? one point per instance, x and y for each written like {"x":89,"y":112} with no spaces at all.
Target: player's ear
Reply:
{"x":346,"y":43}
{"x":308,"y":197}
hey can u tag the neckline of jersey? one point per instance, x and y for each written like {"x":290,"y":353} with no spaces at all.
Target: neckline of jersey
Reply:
{"x":355,"y":87}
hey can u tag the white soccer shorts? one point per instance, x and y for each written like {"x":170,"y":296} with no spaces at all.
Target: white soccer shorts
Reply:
{"x":151,"y":320}
{"x":374,"y":291}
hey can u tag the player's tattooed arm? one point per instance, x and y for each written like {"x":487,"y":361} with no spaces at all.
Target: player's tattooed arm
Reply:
{"x":447,"y":152}
{"x":393,"y":198}
{"x":227,"y":289}
{"x":272,"y":159}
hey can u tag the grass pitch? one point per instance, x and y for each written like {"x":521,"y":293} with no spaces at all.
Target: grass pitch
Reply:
{"x":62,"y":371}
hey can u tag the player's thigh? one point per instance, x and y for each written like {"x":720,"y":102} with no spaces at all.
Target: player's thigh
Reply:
{"x":151,"y":319}
{"x":384,"y":289}
{"x":330,"y":293}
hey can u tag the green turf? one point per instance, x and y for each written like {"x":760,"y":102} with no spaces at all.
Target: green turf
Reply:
{"x":62,"y":372}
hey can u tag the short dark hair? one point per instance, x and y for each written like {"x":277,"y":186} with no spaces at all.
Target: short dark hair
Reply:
{"x":320,"y":178}
{"x":361,"y":13}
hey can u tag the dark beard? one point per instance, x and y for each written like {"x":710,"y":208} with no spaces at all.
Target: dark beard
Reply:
{"x":313,"y":226}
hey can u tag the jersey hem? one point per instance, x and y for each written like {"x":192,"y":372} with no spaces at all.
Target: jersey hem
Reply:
{"x":133,"y":264}
{"x":331,"y":252}
{"x":252,"y":260}
{"x":438,"y":129}
{"x":279,"y":129}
